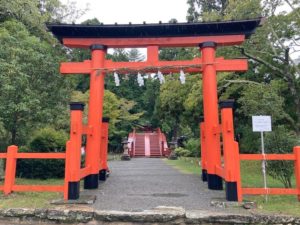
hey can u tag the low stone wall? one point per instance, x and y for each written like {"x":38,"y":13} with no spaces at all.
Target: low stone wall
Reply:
{"x":159,"y":215}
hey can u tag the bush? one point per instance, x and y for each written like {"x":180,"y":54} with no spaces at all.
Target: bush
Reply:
{"x":249,"y":141}
{"x":182,"y":152}
{"x":45,"y":140}
{"x":280,"y":141}
{"x":193,"y":146}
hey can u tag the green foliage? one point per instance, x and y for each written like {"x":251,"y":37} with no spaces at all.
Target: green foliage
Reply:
{"x":34,"y":14}
{"x":119,"y":110}
{"x":263,"y":100}
{"x":191,"y":149}
{"x":44,"y":140}
{"x":32,"y":90}
{"x":249,"y":141}
{"x":193,"y":146}
{"x":281,"y":141}
{"x":182,"y":152}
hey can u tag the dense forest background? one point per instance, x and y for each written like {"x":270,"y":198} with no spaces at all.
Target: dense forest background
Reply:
{"x":34,"y":97}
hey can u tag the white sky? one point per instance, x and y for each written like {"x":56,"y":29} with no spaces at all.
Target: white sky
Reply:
{"x":135,"y":11}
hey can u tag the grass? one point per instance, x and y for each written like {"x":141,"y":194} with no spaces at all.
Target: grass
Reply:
{"x":114,"y":157}
{"x":37,"y":199}
{"x":31,"y":199}
{"x":251,"y":177}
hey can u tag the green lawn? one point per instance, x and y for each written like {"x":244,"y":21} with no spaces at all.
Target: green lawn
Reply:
{"x":251,"y":177}
{"x":31,"y":199}
{"x":37,"y":199}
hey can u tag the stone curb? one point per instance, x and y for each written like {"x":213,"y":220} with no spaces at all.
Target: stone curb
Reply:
{"x":159,"y":215}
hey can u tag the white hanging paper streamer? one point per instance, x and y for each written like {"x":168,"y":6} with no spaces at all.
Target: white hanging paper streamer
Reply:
{"x":140,"y":79}
{"x":182,"y":77}
{"x":161,"y":77}
{"x":117,"y":79}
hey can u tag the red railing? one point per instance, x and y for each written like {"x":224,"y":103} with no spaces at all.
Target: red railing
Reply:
{"x":164,"y":150}
{"x":131,"y":143}
{"x":276,"y":191}
{"x":229,"y":171}
{"x":73,"y":171}
{"x":10,"y":171}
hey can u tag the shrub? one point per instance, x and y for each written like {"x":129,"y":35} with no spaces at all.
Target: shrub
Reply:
{"x":182,"y":152}
{"x":280,"y":141}
{"x":45,"y":140}
{"x":249,"y":141}
{"x":193,"y":146}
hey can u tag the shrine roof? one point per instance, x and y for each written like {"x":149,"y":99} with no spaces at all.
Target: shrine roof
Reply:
{"x":235,"y":27}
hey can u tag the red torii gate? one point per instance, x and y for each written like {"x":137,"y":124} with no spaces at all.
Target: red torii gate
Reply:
{"x":206,"y":36}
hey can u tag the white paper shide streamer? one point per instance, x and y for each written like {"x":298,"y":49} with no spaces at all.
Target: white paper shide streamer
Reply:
{"x":182,"y":77}
{"x":161,"y":77}
{"x":117,"y":79}
{"x":140,"y":79}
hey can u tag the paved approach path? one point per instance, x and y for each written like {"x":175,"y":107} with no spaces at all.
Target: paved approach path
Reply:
{"x":145,"y":183}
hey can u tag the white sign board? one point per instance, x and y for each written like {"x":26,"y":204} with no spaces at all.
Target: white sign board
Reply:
{"x":261,"y":123}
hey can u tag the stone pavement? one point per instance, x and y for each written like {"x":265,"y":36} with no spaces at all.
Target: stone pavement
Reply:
{"x":145,"y":183}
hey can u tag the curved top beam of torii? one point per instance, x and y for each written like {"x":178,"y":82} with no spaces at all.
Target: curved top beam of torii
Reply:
{"x":154,"y":36}
{"x":162,"y":34}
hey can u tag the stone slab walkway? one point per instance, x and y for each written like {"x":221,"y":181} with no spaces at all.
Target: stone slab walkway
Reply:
{"x":145,"y":183}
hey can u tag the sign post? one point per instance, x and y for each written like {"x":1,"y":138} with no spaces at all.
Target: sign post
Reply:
{"x":262,"y":124}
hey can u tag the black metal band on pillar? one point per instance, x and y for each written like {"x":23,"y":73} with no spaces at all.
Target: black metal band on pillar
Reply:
{"x":73,"y":190}
{"x":77,"y":106}
{"x":209,"y":44}
{"x":98,"y":47}
{"x":105,"y":120}
{"x":91,"y":181}
{"x":227,"y":104}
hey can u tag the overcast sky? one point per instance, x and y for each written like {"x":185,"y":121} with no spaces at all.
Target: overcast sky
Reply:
{"x":135,"y":11}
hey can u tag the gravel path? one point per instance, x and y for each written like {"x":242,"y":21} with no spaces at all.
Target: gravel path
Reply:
{"x":145,"y":183}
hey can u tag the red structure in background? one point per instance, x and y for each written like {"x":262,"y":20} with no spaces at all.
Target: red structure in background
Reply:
{"x":147,"y":142}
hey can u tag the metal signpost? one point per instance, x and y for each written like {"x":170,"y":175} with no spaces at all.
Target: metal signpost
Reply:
{"x":262,"y":124}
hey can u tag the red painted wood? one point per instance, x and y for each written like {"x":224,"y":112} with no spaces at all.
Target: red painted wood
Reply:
{"x":42,"y":188}
{"x":220,"y":171}
{"x":225,"y":40}
{"x":189,"y":66}
{"x":267,"y":157}
{"x":41,"y":156}
{"x":270,"y":191}
{"x":84,"y":172}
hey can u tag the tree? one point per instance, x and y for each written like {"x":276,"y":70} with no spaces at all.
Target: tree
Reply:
{"x":281,"y":141}
{"x":172,"y":97}
{"x":32,"y":91}
{"x":34,"y":14}
{"x":134,"y":55}
{"x":269,"y":60}
{"x":119,"y":110}
{"x":198,"y":9}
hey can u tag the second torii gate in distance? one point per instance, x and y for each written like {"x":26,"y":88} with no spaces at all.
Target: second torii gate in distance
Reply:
{"x":206,"y":36}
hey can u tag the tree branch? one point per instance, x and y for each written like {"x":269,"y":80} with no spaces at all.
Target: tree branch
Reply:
{"x":259,"y":60}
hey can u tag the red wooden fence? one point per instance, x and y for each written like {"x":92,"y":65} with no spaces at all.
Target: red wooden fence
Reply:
{"x":73,"y":171}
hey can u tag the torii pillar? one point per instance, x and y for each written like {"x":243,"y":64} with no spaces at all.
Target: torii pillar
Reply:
{"x":93,"y":144}
{"x":211,"y":115}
